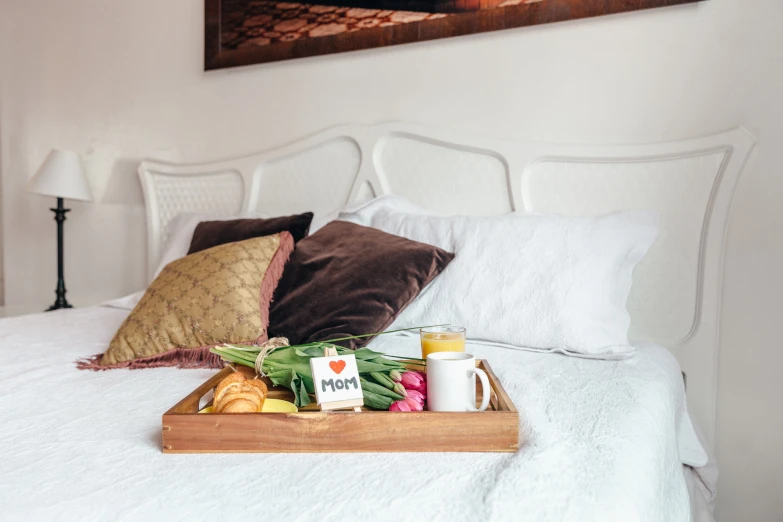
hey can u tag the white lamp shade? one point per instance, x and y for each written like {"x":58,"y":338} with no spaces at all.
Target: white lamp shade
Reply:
{"x":62,"y":176}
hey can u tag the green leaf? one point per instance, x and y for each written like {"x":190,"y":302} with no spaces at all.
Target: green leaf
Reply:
{"x":293,"y":381}
{"x":307,"y":381}
{"x":282,"y":378}
{"x":368,"y":366}
{"x":304,"y":399}
{"x":365,"y":354}
{"x":285,"y":355}
{"x":310,"y":351}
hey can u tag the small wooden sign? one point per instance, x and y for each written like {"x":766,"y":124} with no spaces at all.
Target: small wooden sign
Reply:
{"x":336,"y":381}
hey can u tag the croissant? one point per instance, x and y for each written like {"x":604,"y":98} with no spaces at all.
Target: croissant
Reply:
{"x":238,"y":394}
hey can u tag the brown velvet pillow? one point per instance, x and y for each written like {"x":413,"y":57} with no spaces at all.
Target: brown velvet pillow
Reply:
{"x":209,"y":234}
{"x":347,"y":279}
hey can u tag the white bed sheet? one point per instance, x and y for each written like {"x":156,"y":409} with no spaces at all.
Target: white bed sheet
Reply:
{"x":606,"y":441}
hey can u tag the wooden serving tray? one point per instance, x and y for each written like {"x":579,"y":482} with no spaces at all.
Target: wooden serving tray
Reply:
{"x":312,"y":431}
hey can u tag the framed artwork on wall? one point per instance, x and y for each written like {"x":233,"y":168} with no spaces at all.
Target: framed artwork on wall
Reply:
{"x":244,"y":32}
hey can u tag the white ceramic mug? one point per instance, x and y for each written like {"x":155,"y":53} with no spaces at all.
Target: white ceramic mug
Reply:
{"x":451,"y":382}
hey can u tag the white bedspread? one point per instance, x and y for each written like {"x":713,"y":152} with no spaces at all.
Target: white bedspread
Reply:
{"x":605,"y":442}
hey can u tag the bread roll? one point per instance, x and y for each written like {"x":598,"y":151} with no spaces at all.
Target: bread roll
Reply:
{"x":238,"y":394}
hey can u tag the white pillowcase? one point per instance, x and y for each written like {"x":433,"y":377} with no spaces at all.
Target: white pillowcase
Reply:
{"x":126,"y":302}
{"x":527,"y":280}
{"x":181,"y":230}
{"x":177,"y":245}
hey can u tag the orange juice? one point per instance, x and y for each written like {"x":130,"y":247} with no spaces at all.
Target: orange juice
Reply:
{"x":432,"y":342}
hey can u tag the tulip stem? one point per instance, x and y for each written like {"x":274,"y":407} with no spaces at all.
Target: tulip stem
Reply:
{"x":402,"y":357}
{"x":374,"y":334}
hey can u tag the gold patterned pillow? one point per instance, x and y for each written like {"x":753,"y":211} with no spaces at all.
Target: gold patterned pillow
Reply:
{"x":219,"y":295}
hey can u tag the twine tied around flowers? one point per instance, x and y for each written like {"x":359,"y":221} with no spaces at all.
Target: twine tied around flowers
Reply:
{"x":266,"y":348}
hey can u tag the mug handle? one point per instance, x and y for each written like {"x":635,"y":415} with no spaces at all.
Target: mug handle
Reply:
{"x":481,"y":374}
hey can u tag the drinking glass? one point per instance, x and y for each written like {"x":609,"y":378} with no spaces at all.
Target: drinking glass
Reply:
{"x":442,"y":339}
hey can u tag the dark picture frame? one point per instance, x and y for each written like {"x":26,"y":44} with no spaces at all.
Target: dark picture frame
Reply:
{"x":463,"y":17}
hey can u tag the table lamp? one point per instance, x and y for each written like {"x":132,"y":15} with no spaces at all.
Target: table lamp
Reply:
{"x":61,"y":176}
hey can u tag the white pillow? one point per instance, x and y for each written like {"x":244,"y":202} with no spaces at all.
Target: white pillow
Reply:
{"x":524,"y":279}
{"x":127,"y":302}
{"x":388,"y":201}
{"x":181,"y":230}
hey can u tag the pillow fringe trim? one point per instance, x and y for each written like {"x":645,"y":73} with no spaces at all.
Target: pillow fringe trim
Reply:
{"x":271,"y":279}
{"x":179,"y":357}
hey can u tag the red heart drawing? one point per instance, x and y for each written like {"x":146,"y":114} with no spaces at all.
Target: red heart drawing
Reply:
{"x":337,"y":366}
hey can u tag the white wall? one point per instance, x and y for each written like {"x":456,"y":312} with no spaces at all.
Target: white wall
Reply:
{"x":120,"y":80}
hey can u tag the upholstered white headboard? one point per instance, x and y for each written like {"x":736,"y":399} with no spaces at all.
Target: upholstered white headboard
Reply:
{"x":676,"y":295}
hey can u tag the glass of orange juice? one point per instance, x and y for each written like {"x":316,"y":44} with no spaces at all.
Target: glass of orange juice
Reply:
{"x":442,"y":339}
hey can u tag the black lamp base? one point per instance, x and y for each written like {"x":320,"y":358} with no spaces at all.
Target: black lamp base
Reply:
{"x":59,"y":217}
{"x":59,"y":304}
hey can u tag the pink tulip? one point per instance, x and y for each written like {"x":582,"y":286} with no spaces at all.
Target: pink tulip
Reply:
{"x":420,"y":386}
{"x":400,"y":406}
{"x":412,"y":379}
{"x":421,"y":389}
{"x":413,"y":405}
{"x":416,"y":396}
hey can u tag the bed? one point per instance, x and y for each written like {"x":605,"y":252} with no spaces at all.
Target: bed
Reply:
{"x":607,"y":440}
